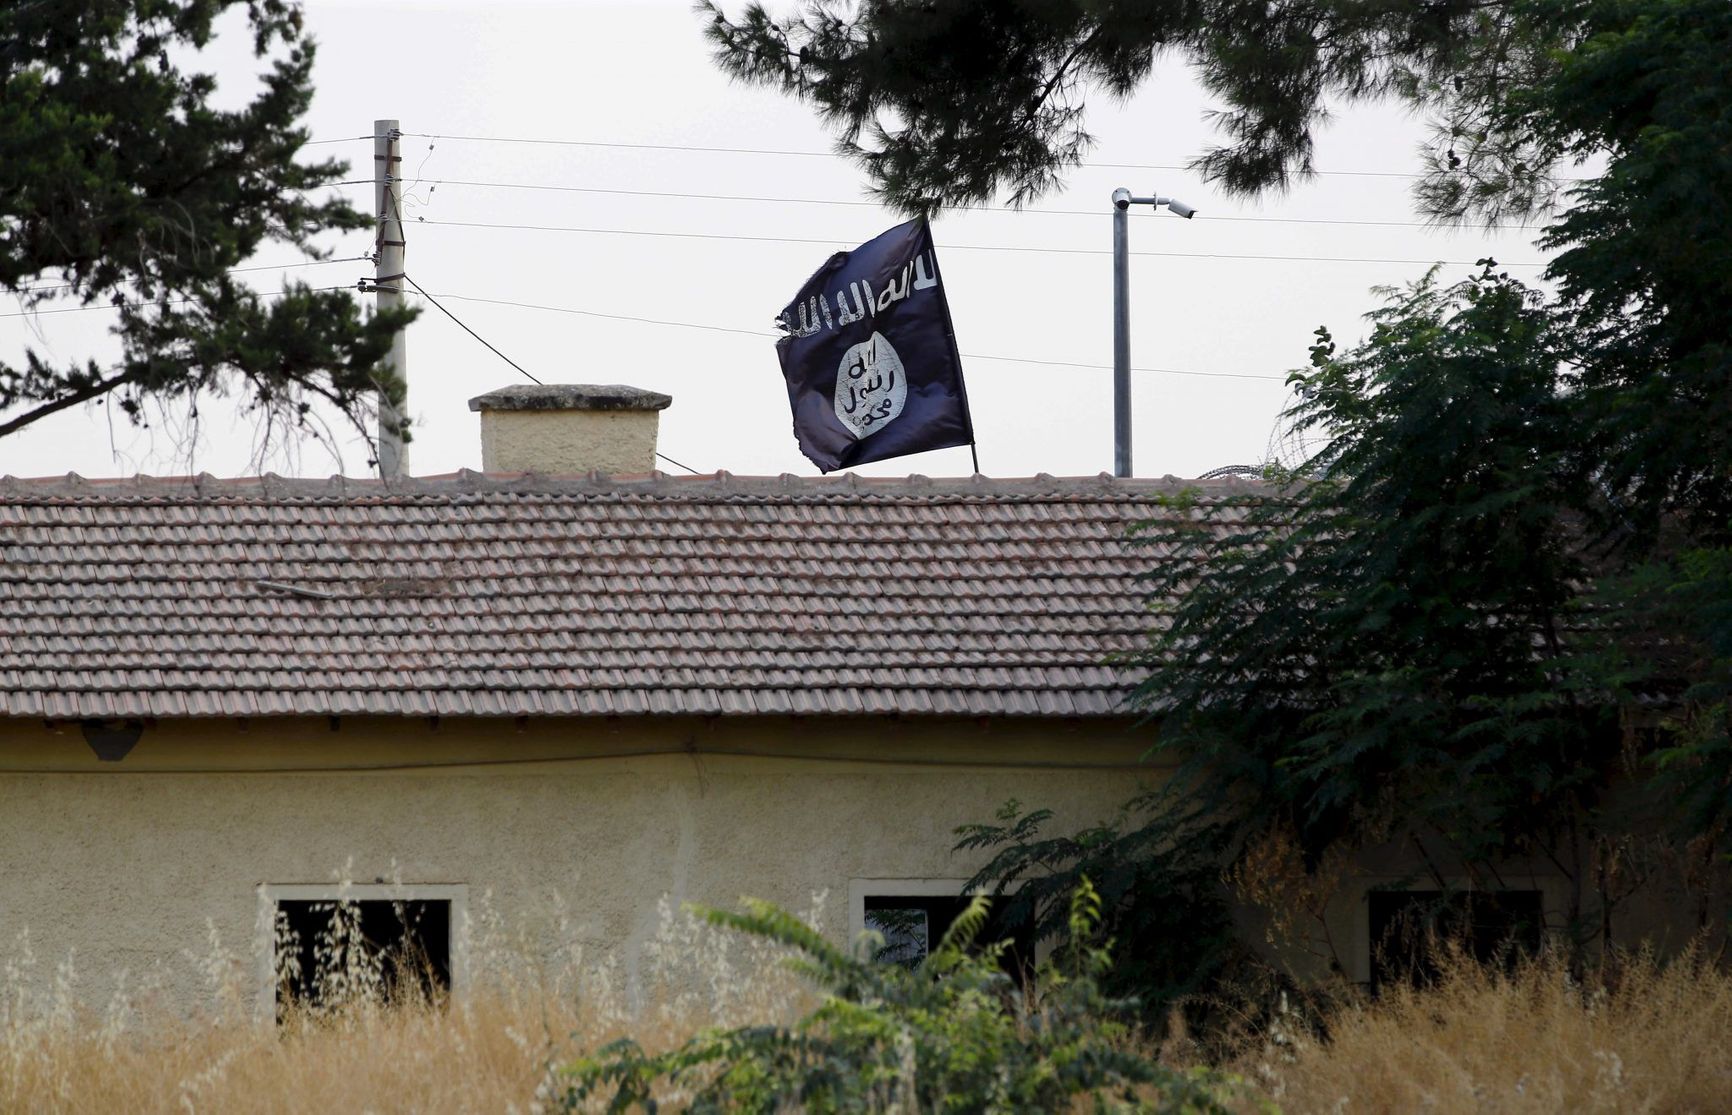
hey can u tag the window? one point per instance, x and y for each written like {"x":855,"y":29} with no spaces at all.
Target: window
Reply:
{"x":912,"y":916}
{"x":1491,"y":926}
{"x":320,"y":942}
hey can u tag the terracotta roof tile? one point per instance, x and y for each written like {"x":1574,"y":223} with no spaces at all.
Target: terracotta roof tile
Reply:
{"x":502,"y":596}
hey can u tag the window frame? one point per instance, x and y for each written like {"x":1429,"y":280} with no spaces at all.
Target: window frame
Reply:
{"x":859,"y":890}
{"x":265,"y":936}
{"x":1553,"y":894}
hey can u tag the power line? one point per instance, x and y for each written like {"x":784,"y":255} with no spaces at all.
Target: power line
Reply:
{"x":874,"y":205}
{"x":792,"y":153}
{"x":612,"y":317}
{"x":425,"y":221}
{"x":112,"y":307}
{"x":768,"y":334}
{"x":831,"y":154}
{"x":1109,"y":367}
{"x":230,"y":271}
{"x":471,"y":332}
{"x":507,"y":359}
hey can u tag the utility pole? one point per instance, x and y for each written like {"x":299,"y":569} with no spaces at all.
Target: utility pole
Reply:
{"x":388,"y":283}
{"x":1122,"y":202}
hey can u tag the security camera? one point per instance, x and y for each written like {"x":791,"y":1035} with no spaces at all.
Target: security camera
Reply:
{"x":1181,"y":209}
{"x":1121,"y":198}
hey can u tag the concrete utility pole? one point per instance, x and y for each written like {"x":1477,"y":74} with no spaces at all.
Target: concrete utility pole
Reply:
{"x":388,"y":283}
{"x":1122,"y":202}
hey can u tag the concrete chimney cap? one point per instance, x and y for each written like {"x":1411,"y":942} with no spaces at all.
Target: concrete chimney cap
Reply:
{"x":571,"y":396}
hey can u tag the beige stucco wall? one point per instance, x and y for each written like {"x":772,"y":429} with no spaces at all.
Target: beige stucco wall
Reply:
{"x":133,"y":864}
{"x":1662,"y":894}
{"x":568,"y":441}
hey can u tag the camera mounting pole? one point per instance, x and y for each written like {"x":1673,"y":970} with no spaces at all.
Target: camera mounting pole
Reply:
{"x":1122,"y":202}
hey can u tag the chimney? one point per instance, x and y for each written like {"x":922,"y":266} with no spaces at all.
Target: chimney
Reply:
{"x":575,"y":427}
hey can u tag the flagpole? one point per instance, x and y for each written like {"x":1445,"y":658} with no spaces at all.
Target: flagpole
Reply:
{"x":950,"y":332}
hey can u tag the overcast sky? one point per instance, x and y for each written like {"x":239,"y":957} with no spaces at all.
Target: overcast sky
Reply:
{"x":1231,"y":297}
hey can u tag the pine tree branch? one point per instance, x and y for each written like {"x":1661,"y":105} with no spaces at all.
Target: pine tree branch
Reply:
{"x":82,"y":395}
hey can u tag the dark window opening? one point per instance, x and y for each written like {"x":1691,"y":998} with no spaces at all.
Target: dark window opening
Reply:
{"x":398,"y":950}
{"x":1491,"y":927}
{"x":913,"y":926}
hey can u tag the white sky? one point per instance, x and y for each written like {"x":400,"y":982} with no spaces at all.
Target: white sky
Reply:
{"x":640,"y":73}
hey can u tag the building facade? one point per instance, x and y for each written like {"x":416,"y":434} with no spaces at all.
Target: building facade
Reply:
{"x":222,"y":700}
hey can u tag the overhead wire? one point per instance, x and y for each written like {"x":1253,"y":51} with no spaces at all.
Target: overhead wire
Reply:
{"x":230,"y":271}
{"x":766,"y":334}
{"x":769,"y":239}
{"x":665,"y":234}
{"x":837,"y":243}
{"x":525,"y":372}
{"x":113,"y":307}
{"x":769,"y":334}
{"x":397,"y":204}
{"x":521,"y":369}
{"x":687,"y":196}
{"x":755,"y":333}
{"x":802,"y":154}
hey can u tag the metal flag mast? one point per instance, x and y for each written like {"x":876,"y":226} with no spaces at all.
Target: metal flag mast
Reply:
{"x":1122,"y":202}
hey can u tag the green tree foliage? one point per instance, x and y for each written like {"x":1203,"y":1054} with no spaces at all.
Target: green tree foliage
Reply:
{"x":1394,"y":648}
{"x":1157,"y":870}
{"x":1398,"y":646}
{"x":1644,"y":277}
{"x":951,"y":1035}
{"x":1520,"y":527}
{"x":121,"y":183}
{"x":1686,"y":600}
{"x":1645,"y":270}
{"x":958,"y":101}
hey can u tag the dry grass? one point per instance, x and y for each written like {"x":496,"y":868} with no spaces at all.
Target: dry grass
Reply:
{"x":535,"y":1002}
{"x":487,"y":1054}
{"x":1654,"y":1040}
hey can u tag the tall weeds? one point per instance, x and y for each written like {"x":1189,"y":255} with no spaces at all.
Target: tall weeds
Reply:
{"x":1644,"y":1037}
{"x":1647,"y":1038}
{"x":535,"y":1002}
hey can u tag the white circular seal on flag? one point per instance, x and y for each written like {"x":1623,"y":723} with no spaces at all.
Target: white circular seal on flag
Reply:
{"x":871,"y":387}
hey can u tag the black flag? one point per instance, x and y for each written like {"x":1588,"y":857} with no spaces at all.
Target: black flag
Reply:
{"x":870,"y":357}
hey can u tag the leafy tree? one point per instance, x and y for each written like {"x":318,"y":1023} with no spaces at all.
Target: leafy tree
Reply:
{"x":1523,"y":518}
{"x":121,"y":181}
{"x":1398,"y":643}
{"x":950,"y":1035}
{"x":1645,"y":264}
{"x":958,"y":101}
{"x":1644,"y":277}
{"x":1395,"y":648}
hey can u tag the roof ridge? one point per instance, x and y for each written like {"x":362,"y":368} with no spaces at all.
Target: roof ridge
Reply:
{"x":271,"y":485}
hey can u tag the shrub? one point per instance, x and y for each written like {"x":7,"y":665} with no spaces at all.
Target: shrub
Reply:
{"x":950,"y":1034}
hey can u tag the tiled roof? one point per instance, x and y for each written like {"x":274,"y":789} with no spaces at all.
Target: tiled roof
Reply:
{"x":504,"y":596}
